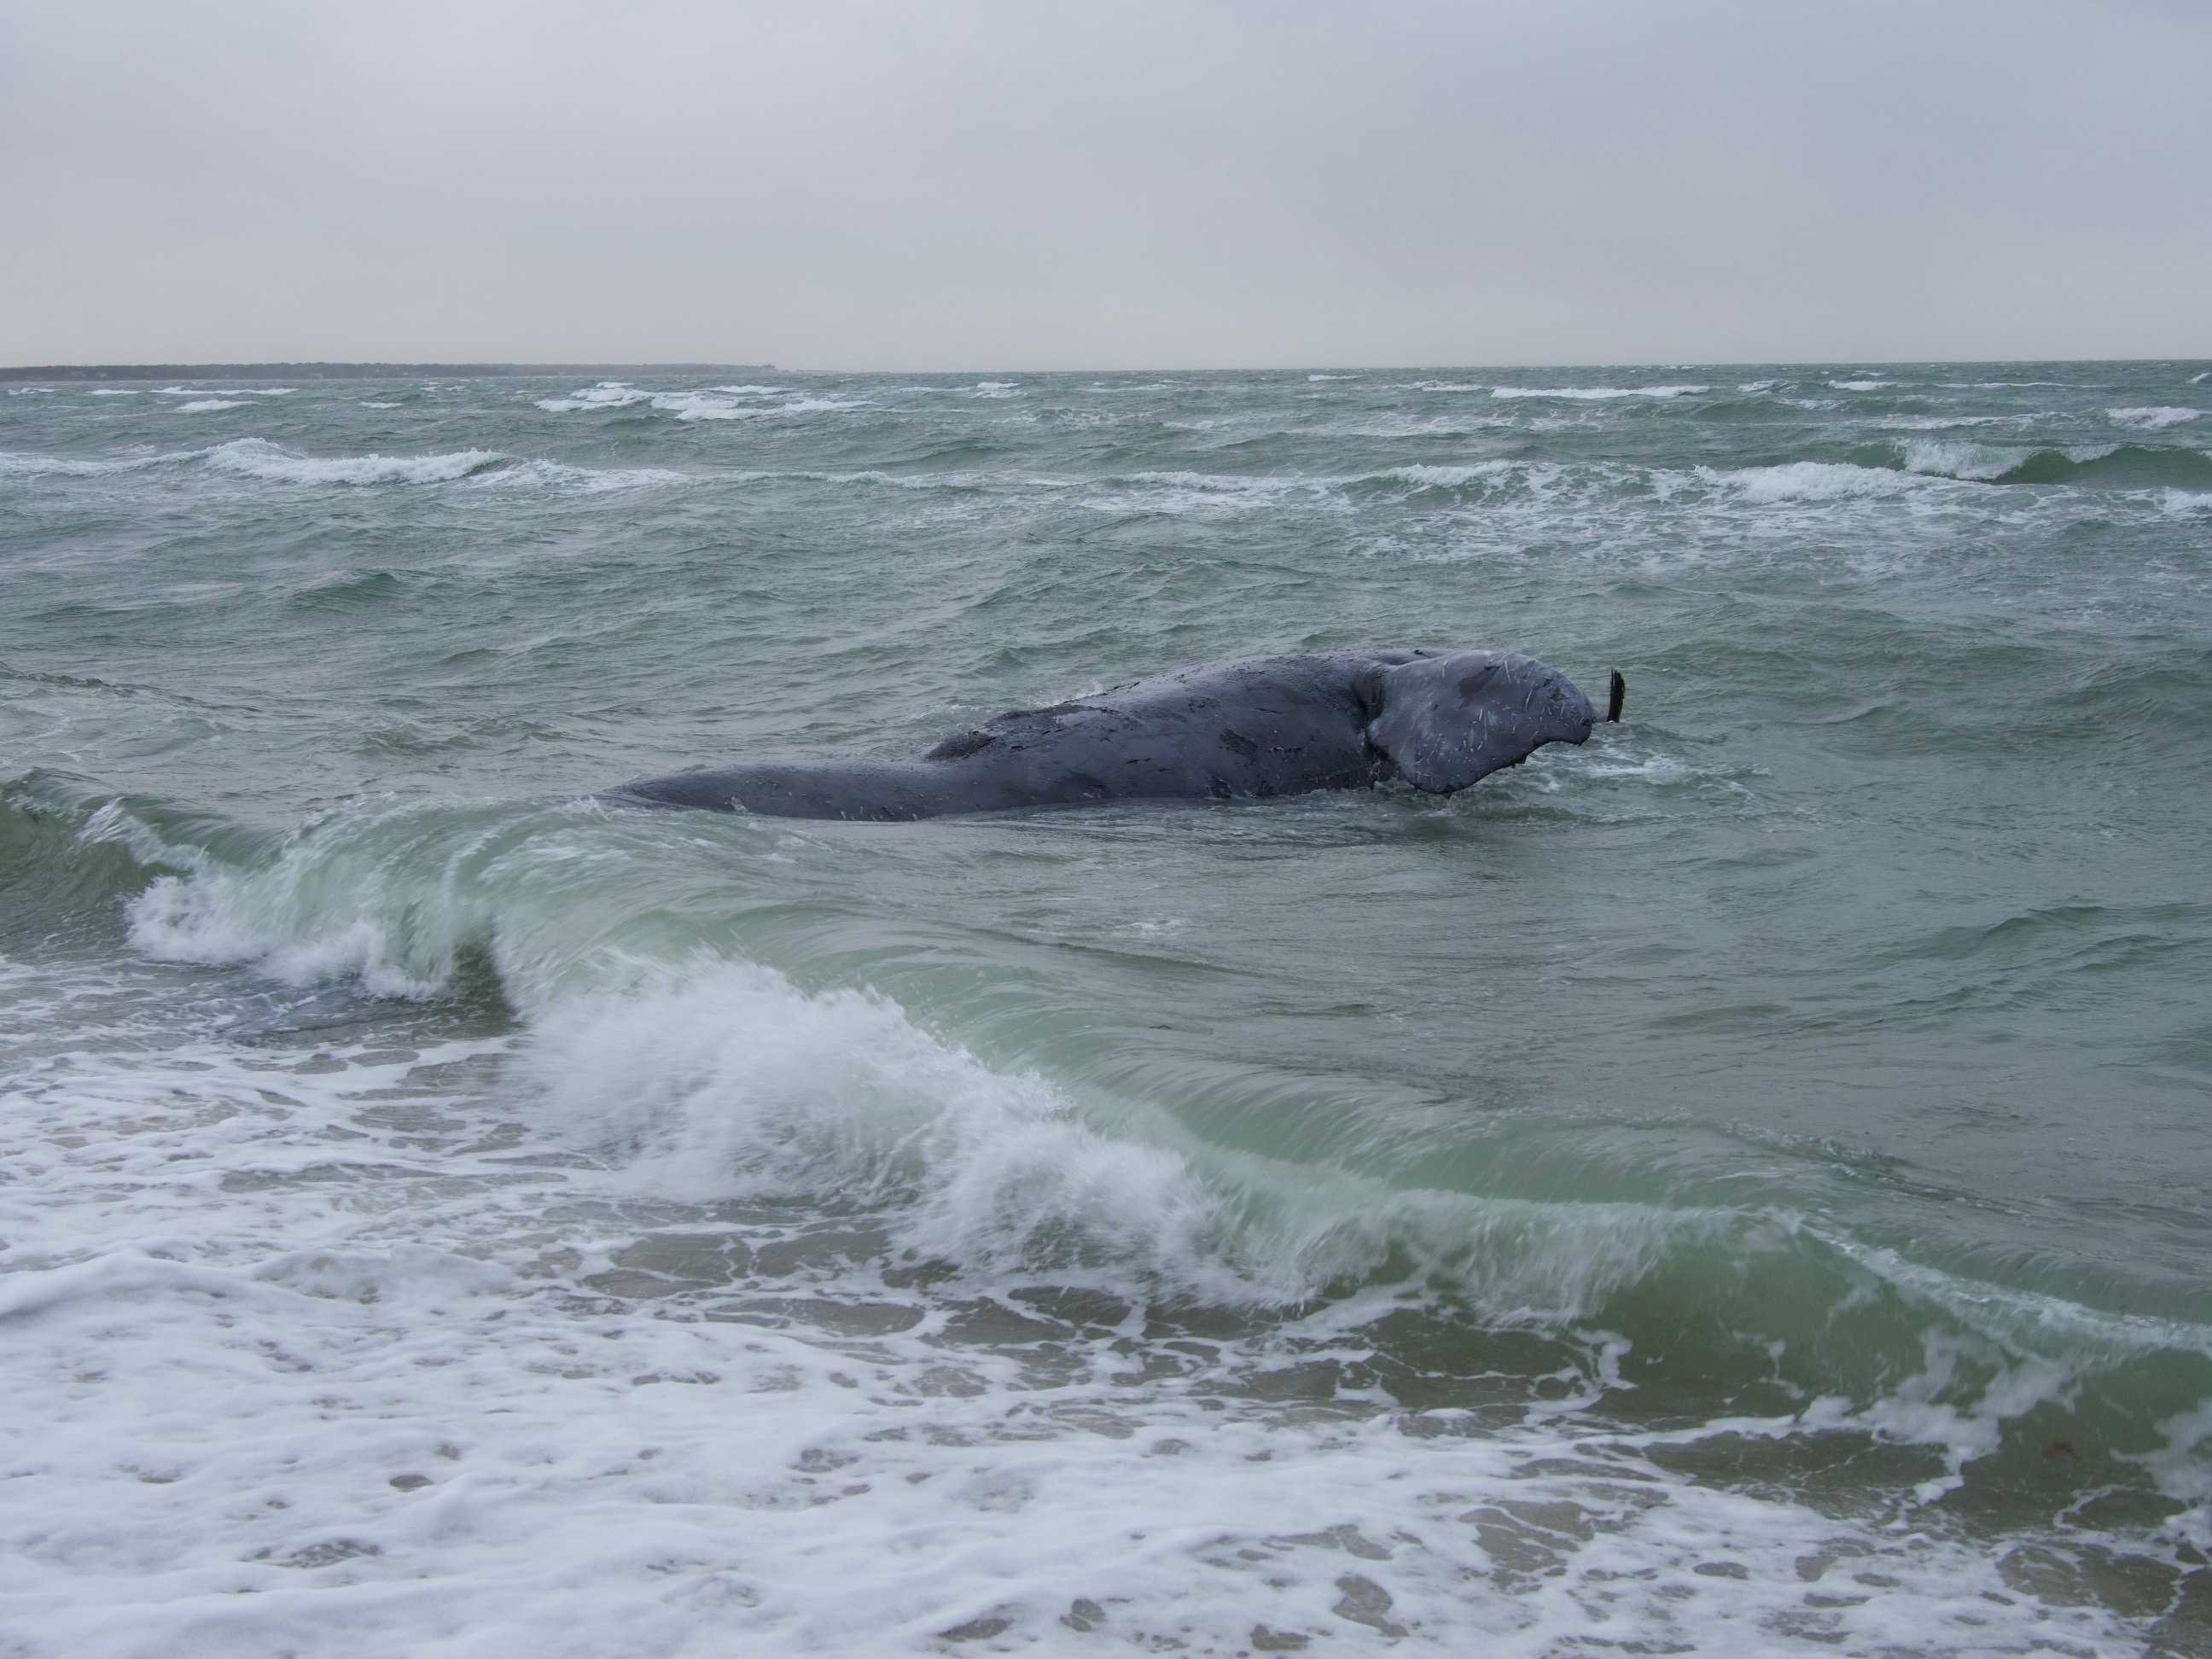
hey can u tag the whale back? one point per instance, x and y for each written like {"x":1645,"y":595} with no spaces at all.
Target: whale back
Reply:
{"x":1446,"y":721}
{"x":1253,"y":727}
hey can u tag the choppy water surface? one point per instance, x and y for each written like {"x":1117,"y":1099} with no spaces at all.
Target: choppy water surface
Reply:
{"x":1740,"y":1186}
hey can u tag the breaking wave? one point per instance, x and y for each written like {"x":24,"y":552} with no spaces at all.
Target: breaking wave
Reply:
{"x":705,"y":1075}
{"x":2126,"y":466}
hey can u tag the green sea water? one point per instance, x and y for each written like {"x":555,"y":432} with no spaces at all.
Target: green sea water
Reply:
{"x":1744,"y":1185}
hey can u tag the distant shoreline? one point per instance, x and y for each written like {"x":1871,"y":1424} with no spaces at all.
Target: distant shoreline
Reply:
{"x":357,"y":371}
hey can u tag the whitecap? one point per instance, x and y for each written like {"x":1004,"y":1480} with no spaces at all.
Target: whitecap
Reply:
{"x":722,"y":403}
{"x":257,"y":458}
{"x":585,"y":480}
{"x":24,"y":463}
{"x":1858,"y":385}
{"x":1449,"y":477}
{"x":1406,"y":426}
{"x":1944,"y":422}
{"x":812,"y":406}
{"x":1179,"y":492}
{"x":714,"y":406}
{"x":1955,"y":459}
{"x":2152,"y":419}
{"x":201,"y":405}
{"x":607,"y":394}
{"x":706,"y":406}
{"x":1595,"y":393}
{"x":1807,"y":481}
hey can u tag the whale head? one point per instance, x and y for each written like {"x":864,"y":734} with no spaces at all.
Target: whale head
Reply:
{"x":1446,"y":721}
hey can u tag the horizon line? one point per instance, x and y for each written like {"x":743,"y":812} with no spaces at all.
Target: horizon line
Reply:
{"x":356,"y":368}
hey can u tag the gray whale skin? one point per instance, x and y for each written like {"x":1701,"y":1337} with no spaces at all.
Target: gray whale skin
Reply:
{"x":1439,"y":719}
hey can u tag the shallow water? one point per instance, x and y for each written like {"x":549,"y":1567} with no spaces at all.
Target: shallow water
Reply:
{"x":1739,"y":1186}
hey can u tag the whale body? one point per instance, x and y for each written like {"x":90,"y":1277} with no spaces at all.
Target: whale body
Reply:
{"x":1437,"y":719}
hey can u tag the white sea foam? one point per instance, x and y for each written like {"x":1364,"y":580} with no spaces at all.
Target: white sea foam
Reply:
{"x":608,"y":394}
{"x":726,"y":403}
{"x":1459,"y":477}
{"x":201,"y":405}
{"x":809,"y":405}
{"x":1332,"y":377}
{"x":264,"y":1418}
{"x":995,"y":389}
{"x":1956,"y":460}
{"x":1180,"y":492}
{"x":1808,"y":481}
{"x":1448,"y":477}
{"x":1595,"y":393}
{"x":729,"y":1082}
{"x":1456,"y":425}
{"x":27,"y":390}
{"x":1858,"y":385}
{"x":257,"y":458}
{"x":371,"y":403}
{"x":226,"y":391}
{"x":584,"y":480}
{"x":1945,"y":422}
{"x":2152,"y":419}
{"x":114,"y":391}
{"x":707,"y":406}
{"x":1757,"y":386}
{"x":404,"y":1342}
{"x":24,"y":463}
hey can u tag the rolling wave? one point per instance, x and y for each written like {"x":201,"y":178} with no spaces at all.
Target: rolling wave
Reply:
{"x":704,"y":1076}
{"x":2120,"y":466}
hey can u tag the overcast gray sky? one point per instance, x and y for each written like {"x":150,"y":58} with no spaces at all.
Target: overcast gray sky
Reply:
{"x":1030,"y":186}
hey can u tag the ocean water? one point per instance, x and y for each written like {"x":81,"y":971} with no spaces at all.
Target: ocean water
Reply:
{"x":1743,"y":1186}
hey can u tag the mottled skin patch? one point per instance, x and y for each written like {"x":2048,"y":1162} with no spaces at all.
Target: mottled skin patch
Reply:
{"x":1258,"y":726}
